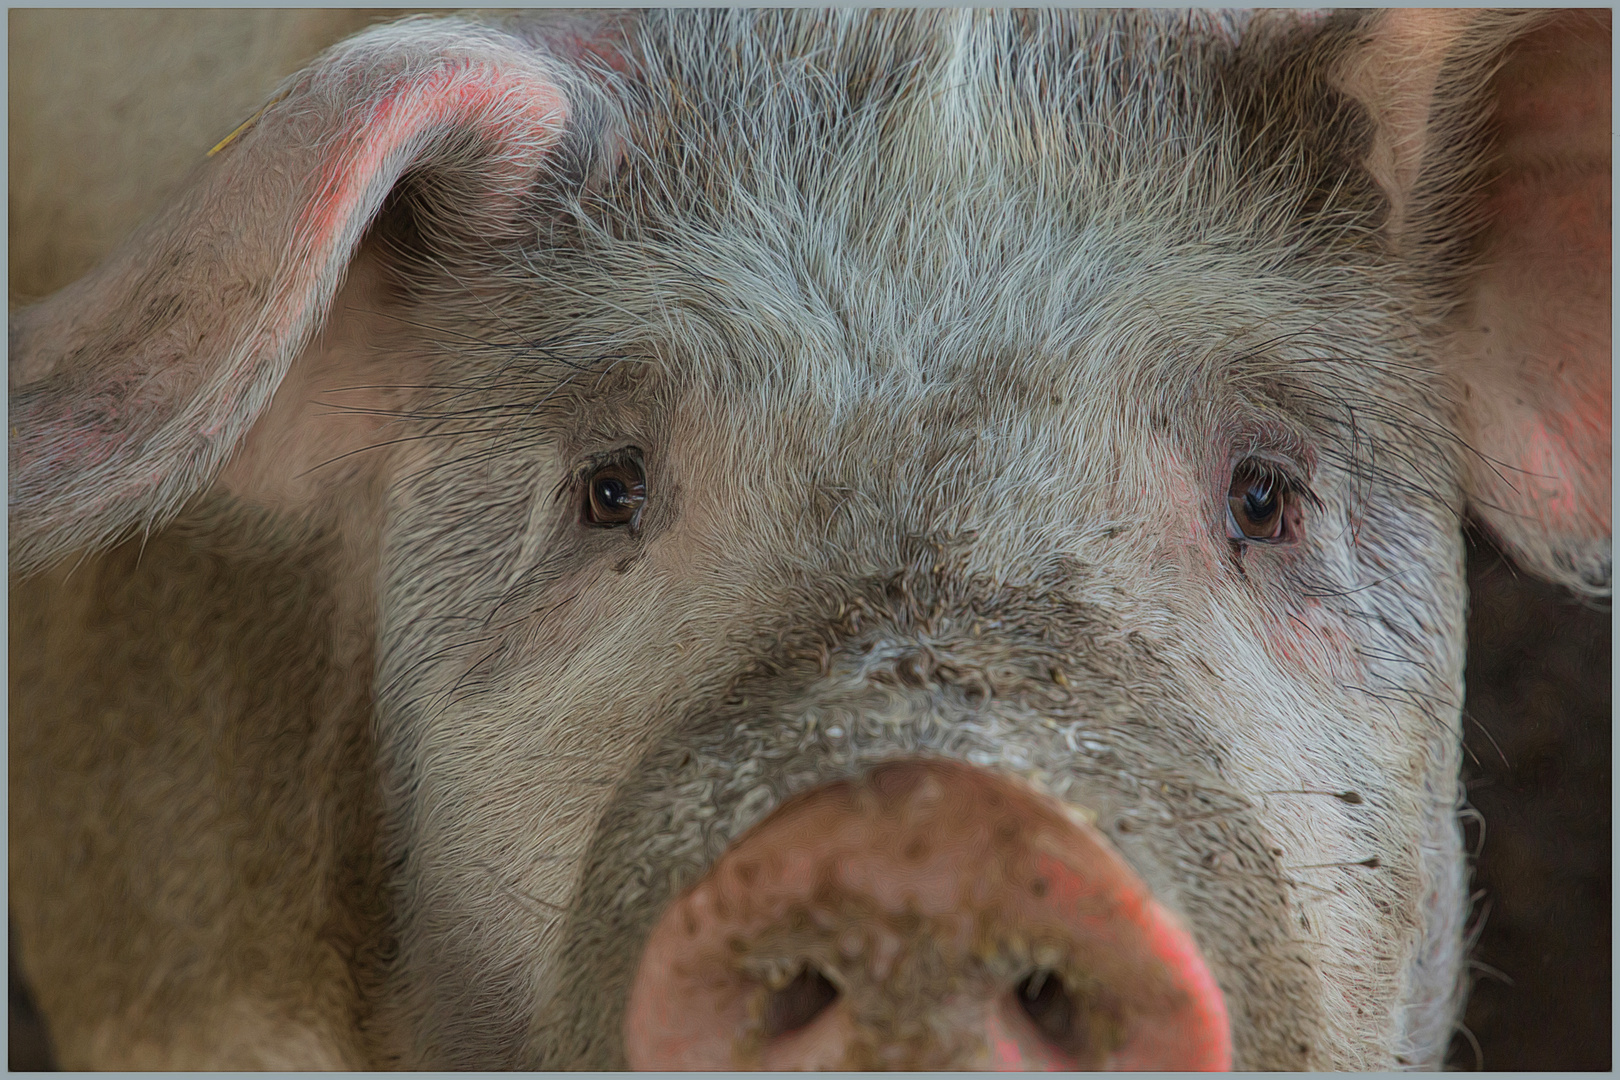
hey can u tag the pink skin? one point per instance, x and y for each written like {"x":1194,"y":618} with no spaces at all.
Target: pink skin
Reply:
{"x":355,"y":171}
{"x":925,"y":894}
{"x":467,"y":94}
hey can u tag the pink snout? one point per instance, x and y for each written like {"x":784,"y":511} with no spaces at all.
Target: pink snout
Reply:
{"x":929,"y":916}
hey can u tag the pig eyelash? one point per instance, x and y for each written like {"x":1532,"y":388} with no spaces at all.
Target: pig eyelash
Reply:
{"x":1374,"y":438}
{"x":1287,"y":490}
{"x":584,"y":467}
{"x":628,"y":473}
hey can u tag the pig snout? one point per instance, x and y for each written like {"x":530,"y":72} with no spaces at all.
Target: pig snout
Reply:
{"x":929,"y":915}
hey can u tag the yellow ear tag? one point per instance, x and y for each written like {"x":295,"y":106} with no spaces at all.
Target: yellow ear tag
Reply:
{"x":244,"y":125}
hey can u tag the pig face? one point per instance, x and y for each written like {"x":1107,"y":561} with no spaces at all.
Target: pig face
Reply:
{"x":809,"y":490}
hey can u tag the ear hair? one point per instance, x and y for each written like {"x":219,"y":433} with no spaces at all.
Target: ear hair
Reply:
{"x":1492,"y":135}
{"x":131,"y":387}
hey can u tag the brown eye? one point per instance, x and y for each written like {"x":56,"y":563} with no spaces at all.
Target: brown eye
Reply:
{"x":1255,"y":503}
{"x":615,"y":493}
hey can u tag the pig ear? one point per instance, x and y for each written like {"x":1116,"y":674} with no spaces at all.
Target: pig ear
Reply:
{"x":130,"y":388}
{"x":1530,"y":347}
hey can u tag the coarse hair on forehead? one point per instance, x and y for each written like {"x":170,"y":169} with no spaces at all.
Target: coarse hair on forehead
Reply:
{"x":886,"y":193}
{"x":1131,"y":217}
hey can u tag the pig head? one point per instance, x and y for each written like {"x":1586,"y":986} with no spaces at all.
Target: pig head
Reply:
{"x":699,"y":539}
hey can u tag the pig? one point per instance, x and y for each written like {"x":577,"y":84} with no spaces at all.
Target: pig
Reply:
{"x":802,"y":539}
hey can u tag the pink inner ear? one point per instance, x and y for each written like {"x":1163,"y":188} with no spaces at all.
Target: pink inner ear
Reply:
{"x":506,"y":105}
{"x":242,"y":268}
{"x":1540,"y":335}
{"x":519,"y":111}
{"x":1544,"y":310}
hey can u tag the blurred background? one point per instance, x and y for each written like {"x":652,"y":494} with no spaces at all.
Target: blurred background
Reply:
{"x":1537,"y":751}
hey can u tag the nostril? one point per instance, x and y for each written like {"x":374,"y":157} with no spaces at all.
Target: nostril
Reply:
{"x":798,"y":1003}
{"x":1046,"y":1001}
{"x":849,"y":944}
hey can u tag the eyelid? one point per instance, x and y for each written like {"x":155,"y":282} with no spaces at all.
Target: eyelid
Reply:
{"x":1290,"y":487}
{"x":1283,"y":469}
{"x":582,"y":471}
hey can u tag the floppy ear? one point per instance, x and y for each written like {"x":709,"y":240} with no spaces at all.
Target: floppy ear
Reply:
{"x":1504,"y":120}
{"x":130,"y":388}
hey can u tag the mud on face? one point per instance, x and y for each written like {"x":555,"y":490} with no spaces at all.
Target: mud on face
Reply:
{"x":1085,"y":401}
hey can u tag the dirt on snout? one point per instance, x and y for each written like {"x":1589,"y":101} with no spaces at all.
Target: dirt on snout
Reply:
{"x":1537,"y":769}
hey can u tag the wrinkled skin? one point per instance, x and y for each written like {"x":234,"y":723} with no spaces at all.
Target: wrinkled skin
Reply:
{"x":940,"y":356}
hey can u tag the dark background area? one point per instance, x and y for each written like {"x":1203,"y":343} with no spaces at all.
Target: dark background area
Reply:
{"x":1536,"y":738}
{"x":1536,"y":765}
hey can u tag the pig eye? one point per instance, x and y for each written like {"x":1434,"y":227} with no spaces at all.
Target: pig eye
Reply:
{"x":1255,"y":503}
{"x":615,"y":493}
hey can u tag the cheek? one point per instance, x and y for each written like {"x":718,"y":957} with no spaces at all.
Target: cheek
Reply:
{"x":1306,"y":636}
{"x":1300,"y":635}
{"x":1180,"y":508}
